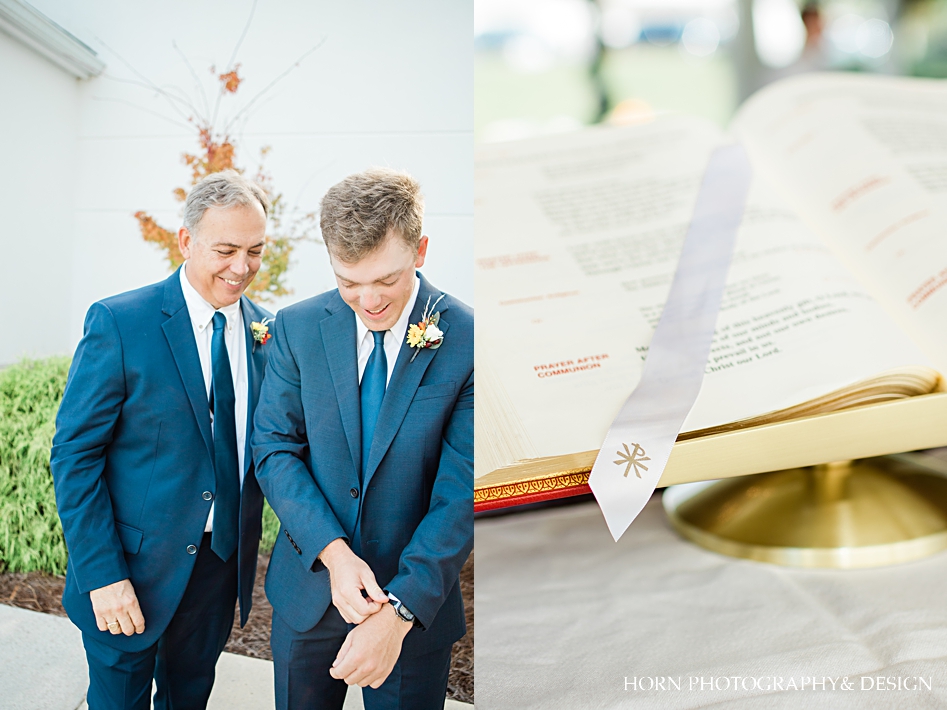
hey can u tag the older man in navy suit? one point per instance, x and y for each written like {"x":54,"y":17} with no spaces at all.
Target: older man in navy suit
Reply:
{"x":154,"y":479}
{"x":363,"y":443}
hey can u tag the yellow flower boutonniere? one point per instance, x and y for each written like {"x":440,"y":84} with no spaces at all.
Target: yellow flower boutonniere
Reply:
{"x":261,"y":333}
{"x":425,"y":333}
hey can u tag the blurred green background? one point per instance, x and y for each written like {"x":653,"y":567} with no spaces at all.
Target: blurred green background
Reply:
{"x":545,"y":66}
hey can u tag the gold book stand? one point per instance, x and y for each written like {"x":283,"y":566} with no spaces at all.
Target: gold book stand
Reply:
{"x":781,"y":502}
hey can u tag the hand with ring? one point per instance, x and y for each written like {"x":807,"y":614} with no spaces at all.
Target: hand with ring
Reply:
{"x":116,"y":609}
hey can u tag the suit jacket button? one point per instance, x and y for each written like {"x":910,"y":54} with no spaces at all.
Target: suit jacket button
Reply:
{"x":207,"y":495}
{"x":191,"y":550}
{"x":354,"y":492}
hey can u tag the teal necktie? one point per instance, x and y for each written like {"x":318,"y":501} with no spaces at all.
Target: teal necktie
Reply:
{"x":374,"y":382}
{"x":226,"y":463}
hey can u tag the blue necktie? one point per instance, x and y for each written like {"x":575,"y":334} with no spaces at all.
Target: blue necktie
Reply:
{"x":226,"y":464}
{"x":374,"y":381}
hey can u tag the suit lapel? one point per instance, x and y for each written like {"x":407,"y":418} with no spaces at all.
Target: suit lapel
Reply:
{"x":338,"y":338}
{"x":180,"y":334}
{"x":404,"y":382}
{"x":256,"y":362}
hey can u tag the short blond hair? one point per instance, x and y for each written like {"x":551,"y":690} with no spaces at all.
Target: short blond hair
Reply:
{"x":358,"y":213}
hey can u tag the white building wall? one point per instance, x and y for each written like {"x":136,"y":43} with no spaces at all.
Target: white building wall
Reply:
{"x":38,"y":120}
{"x":391,"y":84}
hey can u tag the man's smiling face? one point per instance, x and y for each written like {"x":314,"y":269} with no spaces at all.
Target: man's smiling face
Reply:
{"x":379,"y":286}
{"x":223,"y":252}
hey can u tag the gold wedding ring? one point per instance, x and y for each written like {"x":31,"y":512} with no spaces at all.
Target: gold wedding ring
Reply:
{"x":115,"y":627}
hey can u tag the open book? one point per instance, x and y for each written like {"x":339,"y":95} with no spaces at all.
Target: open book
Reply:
{"x":833,"y":328}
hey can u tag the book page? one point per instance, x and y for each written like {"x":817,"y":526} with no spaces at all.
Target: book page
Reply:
{"x":577,"y":241}
{"x":863,"y":160}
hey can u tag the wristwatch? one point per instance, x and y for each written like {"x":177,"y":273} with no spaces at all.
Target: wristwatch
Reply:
{"x":400,"y":609}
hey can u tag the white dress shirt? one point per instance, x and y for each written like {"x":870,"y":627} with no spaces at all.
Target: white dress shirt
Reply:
{"x":202,"y":317}
{"x":394,"y":337}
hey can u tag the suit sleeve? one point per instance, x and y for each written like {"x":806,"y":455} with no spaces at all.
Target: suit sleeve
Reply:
{"x":91,"y":406}
{"x":431,"y":563}
{"x":280,"y":448}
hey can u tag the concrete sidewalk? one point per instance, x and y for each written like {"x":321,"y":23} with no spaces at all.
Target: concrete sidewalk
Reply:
{"x":43,"y":667}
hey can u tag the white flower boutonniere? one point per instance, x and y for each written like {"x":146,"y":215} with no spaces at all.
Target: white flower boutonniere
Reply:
{"x":426,"y":334}
{"x":260,"y":331}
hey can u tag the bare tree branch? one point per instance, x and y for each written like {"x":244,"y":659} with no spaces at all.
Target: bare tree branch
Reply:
{"x":141,"y":76}
{"x":233,"y":57}
{"x":272,"y":84}
{"x":184,"y":98}
{"x":142,"y":108}
{"x":312,"y":177}
{"x":197,"y":81}
{"x":246,"y":28}
{"x":163,"y":91}
{"x":237,"y":125}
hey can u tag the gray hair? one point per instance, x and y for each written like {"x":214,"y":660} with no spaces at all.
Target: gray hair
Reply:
{"x":228,"y":188}
{"x":358,"y":213}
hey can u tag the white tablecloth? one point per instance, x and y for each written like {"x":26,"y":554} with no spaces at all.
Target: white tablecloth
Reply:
{"x":566,"y":617}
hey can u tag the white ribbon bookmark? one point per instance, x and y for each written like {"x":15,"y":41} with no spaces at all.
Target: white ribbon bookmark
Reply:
{"x":639,"y":442}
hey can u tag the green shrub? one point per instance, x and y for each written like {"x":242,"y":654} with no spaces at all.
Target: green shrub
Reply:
{"x":270,"y":528}
{"x":31,"y":536}
{"x":30,"y":533}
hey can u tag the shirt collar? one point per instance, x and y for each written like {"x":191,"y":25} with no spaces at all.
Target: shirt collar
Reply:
{"x":400,"y":329}
{"x":201,"y":312}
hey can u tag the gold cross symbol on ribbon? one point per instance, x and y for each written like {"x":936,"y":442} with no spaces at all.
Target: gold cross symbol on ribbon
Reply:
{"x":633,"y":458}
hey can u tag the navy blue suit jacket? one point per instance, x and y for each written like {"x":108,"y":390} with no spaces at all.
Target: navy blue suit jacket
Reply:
{"x":133,"y":456}
{"x":411,"y":519}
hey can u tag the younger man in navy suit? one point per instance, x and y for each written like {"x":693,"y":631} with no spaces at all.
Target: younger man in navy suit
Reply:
{"x":363,"y":443}
{"x":151,"y":463}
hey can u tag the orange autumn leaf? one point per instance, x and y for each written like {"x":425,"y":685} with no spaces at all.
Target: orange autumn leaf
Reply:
{"x":230,"y":80}
{"x":151,"y":231}
{"x":217,"y":155}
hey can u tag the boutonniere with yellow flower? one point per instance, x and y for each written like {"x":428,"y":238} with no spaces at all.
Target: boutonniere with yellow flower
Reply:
{"x":260,"y":331}
{"x":425,"y":333}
